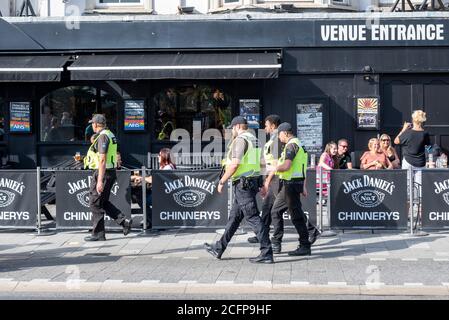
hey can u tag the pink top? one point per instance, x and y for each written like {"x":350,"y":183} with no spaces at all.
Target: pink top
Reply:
{"x":369,"y":157}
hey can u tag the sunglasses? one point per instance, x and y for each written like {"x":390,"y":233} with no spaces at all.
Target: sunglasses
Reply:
{"x":343,"y":146}
{"x":384,"y":140}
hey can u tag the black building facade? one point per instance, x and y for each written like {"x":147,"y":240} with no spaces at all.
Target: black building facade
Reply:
{"x":366,"y":77}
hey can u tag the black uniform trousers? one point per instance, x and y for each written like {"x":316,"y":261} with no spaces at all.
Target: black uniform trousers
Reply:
{"x":100,"y":204}
{"x":268,"y":201}
{"x":289,"y":198}
{"x":244,"y":206}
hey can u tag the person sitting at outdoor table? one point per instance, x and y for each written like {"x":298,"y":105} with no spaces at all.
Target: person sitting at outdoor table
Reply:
{"x":165,"y":163}
{"x":375,"y":158}
{"x":54,"y":133}
{"x":328,"y":160}
{"x":390,"y":152}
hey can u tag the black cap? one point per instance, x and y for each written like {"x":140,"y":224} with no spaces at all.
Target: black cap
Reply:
{"x":237,"y":120}
{"x":285,"y":126}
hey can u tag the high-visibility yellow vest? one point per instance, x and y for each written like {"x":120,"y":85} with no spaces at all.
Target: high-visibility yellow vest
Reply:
{"x":299,"y":164}
{"x":250,"y":164}
{"x":268,"y":150}
{"x":92,"y":159}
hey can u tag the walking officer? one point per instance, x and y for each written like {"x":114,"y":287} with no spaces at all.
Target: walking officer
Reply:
{"x":291,"y":169}
{"x":271,"y":152}
{"x":102,"y":158}
{"x":243,"y":167}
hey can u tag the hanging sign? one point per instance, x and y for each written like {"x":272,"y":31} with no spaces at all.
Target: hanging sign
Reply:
{"x":134,"y":115}
{"x":20,"y":117}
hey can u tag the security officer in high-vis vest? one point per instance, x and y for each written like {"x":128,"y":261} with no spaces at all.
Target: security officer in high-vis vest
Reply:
{"x":291,"y":169}
{"x":271,"y":152}
{"x":243,"y":165}
{"x":102,"y":158}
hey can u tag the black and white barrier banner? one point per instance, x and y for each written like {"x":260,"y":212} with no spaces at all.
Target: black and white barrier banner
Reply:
{"x":309,"y":203}
{"x":435,"y":199}
{"x":72,"y":198}
{"x":188,"y":198}
{"x":368,"y":199}
{"x":18,"y":199}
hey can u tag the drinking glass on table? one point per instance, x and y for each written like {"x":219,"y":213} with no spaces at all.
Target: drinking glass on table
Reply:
{"x":78,"y":156}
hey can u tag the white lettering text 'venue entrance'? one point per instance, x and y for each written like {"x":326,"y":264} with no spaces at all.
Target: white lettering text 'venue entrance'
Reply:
{"x":383,"y":32}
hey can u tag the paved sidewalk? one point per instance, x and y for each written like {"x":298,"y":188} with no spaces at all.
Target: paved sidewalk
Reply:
{"x":174,"y":261}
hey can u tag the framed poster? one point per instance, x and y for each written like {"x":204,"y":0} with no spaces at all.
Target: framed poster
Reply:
{"x":309,"y":125}
{"x":367,"y":113}
{"x":20,"y":117}
{"x":250,"y":109}
{"x":134,"y":119}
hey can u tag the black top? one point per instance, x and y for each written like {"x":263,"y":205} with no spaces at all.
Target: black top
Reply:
{"x":392,"y":158}
{"x":343,"y":161}
{"x":414,"y":143}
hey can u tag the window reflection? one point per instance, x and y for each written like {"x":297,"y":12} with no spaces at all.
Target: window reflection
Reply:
{"x":178,"y":107}
{"x":65,"y":113}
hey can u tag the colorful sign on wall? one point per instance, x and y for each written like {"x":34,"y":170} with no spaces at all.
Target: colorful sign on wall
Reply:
{"x":20,"y":117}
{"x":134,"y":115}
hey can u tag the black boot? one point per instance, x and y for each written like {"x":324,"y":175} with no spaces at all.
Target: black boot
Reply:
{"x":127,"y":224}
{"x":100,"y":236}
{"x":314,"y":235}
{"x":301,"y":251}
{"x":262,"y":259}
{"x":213,"y":250}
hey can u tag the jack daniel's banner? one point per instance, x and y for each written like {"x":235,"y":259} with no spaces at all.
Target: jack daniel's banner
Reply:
{"x":72,"y":198}
{"x":309,"y":203}
{"x":188,"y":198}
{"x":435,"y":201}
{"x":18,"y":199}
{"x":368,"y":199}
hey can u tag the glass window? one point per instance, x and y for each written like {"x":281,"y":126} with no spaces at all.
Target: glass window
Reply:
{"x":65,"y":113}
{"x":178,"y":107}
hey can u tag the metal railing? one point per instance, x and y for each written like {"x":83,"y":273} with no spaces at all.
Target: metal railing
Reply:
{"x":193,"y":161}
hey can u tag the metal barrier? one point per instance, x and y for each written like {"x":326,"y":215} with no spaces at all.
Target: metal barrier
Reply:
{"x":426,"y":204}
{"x":188,"y":161}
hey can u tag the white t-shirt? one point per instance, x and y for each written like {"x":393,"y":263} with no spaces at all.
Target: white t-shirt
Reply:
{"x":168,"y":167}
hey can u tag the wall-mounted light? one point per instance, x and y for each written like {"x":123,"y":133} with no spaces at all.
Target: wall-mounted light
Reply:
{"x":368,"y":70}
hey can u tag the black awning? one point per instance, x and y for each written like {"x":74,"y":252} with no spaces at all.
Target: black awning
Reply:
{"x":31,"y":68}
{"x":252,"y":65}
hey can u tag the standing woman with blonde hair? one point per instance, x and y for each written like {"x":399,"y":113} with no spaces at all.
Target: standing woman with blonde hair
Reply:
{"x":414,"y":140}
{"x":390,"y":152}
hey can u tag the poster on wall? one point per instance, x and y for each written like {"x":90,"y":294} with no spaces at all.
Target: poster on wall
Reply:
{"x":250,"y":109}
{"x":134,"y":115}
{"x":20,"y":117}
{"x":368,"y":113}
{"x":309,"y":122}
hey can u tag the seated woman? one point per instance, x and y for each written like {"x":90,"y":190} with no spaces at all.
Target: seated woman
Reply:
{"x":375,"y":158}
{"x":328,"y":161}
{"x":165,"y":163}
{"x":390,"y":152}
